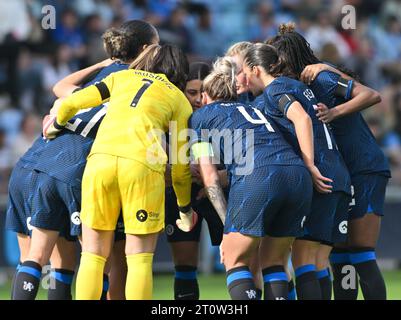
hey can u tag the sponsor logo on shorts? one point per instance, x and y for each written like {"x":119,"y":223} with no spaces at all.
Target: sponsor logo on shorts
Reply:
{"x":28,"y":224}
{"x":169,"y":229}
{"x":343,"y":227}
{"x":75,"y":218}
{"x":142,"y":215}
{"x":154,"y":216}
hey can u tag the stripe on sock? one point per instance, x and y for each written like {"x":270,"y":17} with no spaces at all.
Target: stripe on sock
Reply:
{"x":277,"y":276}
{"x":32,"y":271}
{"x":304,"y":269}
{"x":62,"y":277}
{"x":362,"y":257}
{"x":322,"y":274}
{"x":238,"y":275}
{"x":185,"y":275}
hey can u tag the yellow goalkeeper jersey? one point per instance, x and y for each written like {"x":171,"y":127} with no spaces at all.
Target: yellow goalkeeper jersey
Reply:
{"x":142,"y":106}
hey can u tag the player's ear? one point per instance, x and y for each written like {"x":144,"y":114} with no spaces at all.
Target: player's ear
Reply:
{"x":256,"y":71}
{"x":204,"y":98}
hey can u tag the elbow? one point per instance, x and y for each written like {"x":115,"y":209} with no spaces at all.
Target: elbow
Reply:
{"x":376,"y":97}
{"x":371,"y":96}
{"x":56,"y":90}
{"x":180,"y":177}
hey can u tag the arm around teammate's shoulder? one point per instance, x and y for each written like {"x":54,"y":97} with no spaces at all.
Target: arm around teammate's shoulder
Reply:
{"x":180,"y":169}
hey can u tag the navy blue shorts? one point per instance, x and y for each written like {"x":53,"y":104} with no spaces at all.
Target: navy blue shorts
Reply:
{"x":272,"y":201}
{"x":340,"y":228}
{"x":328,"y":213}
{"x":369,"y":191}
{"x":205,"y":211}
{"x":119,"y":233}
{"x":18,"y":215}
{"x":56,"y":206}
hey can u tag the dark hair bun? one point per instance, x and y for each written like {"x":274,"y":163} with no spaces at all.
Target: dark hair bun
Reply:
{"x":286,"y":28}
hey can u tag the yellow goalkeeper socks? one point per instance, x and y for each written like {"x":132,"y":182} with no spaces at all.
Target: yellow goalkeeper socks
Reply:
{"x":89,"y":284}
{"x":139,"y":278}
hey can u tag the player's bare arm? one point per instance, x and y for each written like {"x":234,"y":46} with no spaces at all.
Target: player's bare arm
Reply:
{"x":303,"y":127}
{"x":213,"y":187}
{"x":67,"y":85}
{"x":362,"y":98}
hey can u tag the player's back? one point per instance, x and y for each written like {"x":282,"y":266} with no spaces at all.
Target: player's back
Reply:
{"x":241,"y":133}
{"x":141,"y":106}
{"x":64,"y":158}
{"x":327,"y":157}
{"x":351,"y":131}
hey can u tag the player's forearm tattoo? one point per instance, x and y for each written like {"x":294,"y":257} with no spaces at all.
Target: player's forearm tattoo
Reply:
{"x":217,"y":198}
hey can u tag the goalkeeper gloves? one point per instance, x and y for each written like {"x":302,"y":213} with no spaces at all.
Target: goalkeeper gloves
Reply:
{"x":50,"y":127}
{"x":188,"y":220}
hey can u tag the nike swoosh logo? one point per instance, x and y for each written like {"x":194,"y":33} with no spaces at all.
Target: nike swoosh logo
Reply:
{"x":185,"y":295}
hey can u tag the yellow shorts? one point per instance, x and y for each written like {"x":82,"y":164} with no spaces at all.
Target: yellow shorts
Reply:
{"x":111,"y":184}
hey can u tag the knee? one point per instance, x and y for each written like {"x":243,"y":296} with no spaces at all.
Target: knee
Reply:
{"x":185,"y":254}
{"x":361,"y":243}
{"x":63,"y":262}
{"x":186,"y":259}
{"x":39,"y":256}
{"x":303,"y":256}
{"x":236,"y":260}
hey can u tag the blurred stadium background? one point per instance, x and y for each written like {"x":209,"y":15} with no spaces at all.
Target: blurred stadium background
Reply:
{"x":33,"y":59}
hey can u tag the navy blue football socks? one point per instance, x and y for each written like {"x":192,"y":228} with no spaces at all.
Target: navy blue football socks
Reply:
{"x":275,"y":283}
{"x":60,"y":284}
{"x":240,"y":284}
{"x":370,"y":277}
{"x":27,"y":281}
{"x":325,"y":283}
{"x":307,"y":284}
{"x":345,"y":282}
{"x":186,"y":283}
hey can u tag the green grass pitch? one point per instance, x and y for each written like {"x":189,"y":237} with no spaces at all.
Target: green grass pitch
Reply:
{"x":212,"y":287}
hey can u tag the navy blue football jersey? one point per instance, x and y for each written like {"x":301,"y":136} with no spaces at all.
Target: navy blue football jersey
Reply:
{"x":64,"y":158}
{"x":242,"y":137}
{"x":279,"y":96}
{"x":246,"y":98}
{"x":28,"y":160}
{"x":259,"y":102}
{"x":356,"y":142}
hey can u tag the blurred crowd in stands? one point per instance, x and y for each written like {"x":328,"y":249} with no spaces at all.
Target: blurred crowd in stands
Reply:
{"x":33,"y":59}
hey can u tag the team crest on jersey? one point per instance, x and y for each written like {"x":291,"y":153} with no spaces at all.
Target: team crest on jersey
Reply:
{"x":309,"y":94}
{"x":142,"y":215}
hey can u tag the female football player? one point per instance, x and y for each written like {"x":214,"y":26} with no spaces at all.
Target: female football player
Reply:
{"x":264,"y":210}
{"x":48,"y":200}
{"x":368,"y":167}
{"x":185,"y":245}
{"x":125,"y":169}
{"x":291,"y":105}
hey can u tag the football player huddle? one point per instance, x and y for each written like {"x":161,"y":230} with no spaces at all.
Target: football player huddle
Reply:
{"x":267,"y":145}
